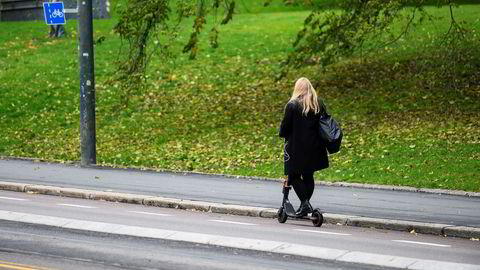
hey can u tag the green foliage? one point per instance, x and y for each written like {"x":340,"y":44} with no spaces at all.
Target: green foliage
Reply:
{"x":200,"y":21}
{"x":410,"y":110}
{"x":136,"y":25}
{"x":330,"y":35}
{"x":141,"y":20}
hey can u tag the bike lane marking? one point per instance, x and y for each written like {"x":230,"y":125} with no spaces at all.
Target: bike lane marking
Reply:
{"x":421,"y":243}
{"x":232,"y":222}
{"x":150,"y":213}
{"x":13,"y":199}
{"x":76,"y":205}
{"x":322,"y":232}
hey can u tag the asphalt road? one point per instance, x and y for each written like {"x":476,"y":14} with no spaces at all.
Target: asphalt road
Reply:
{"x":413,"y":206}
{"x":35,"y":247}
{"x":97,"y":250}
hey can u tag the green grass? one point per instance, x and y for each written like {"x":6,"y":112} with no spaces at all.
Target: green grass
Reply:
{"x":410,"y":113}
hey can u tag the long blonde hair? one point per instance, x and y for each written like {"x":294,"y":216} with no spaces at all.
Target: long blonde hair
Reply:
{"x":305,"y":94}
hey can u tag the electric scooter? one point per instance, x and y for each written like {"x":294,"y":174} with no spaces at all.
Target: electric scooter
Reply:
{"x":287,"y":211}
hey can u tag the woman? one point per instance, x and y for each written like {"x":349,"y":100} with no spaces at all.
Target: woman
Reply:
{"x":305,"y":152}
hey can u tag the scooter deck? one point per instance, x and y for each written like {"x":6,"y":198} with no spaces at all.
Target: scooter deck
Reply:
{"x":290,"y":211}
{"x":307,"y":217}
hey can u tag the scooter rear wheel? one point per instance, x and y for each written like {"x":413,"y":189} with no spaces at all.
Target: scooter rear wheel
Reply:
{"x":317,"y":218}
{"x":282,"y":215}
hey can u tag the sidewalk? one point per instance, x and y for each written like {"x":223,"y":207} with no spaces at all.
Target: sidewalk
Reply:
{"x":452,"y":215}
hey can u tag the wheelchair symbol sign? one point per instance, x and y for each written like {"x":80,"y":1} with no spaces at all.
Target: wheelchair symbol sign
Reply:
{"x":54,"y":13}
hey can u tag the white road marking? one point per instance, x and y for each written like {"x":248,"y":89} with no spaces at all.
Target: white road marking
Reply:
{"x":322,"y":232}
{"x":277,"y":247}
{"x":421,"y":243}
{"x":232,"y":222}
{"x":13,"y":199}
{"x":75,"y":205}
{"x":149,"y":213}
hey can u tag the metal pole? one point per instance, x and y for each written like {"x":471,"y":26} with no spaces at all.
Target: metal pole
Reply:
{"x":87,"y":82}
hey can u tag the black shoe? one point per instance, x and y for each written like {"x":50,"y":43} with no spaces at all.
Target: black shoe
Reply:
{"x":299,"y":209}
{"x":304,"y":209}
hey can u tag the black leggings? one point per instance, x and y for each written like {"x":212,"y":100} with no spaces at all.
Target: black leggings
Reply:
{"x":303,"y":184}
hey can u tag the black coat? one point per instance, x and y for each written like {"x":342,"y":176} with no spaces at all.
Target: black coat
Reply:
{"x":304,"y":150}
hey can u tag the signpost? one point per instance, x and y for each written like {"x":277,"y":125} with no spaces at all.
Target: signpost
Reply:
{"x":87,"y":82}
{"x":55,"y":14}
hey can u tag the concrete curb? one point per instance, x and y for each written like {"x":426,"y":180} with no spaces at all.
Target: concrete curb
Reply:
{"x":322,"y":183}
{"x":337,"y":219}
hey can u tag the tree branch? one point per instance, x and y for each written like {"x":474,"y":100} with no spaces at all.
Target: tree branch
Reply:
{"x":453,"y":23}
{"x":403,"y":33}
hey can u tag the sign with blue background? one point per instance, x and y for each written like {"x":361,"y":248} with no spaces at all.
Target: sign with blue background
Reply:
{"x":54,"y":13}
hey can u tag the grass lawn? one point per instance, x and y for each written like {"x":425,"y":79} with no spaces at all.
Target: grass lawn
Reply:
{"x":411,"y":115}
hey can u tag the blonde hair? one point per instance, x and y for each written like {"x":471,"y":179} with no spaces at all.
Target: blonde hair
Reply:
{"x":305,"y":94}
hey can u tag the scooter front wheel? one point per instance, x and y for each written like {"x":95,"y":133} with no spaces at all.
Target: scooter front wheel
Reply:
{"x":282,"y":215}
{"x":317,"y":218}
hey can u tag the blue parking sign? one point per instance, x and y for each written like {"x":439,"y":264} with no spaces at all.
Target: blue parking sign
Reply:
{"x":54,"y":13}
